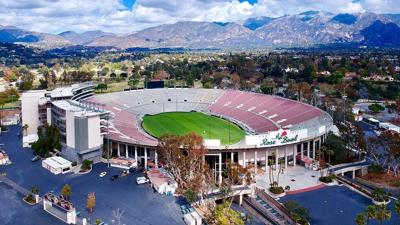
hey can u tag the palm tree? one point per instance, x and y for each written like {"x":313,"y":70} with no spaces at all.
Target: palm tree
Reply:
{"x":360,"y":219}
{"x":382,"y":213}
{"x":25,"y":128}
{"x":397,"y":208}
{"x":66,"y":191}
{"x":330,"y":153}
{"x":35,"y":190}
{"x":370,"y":213}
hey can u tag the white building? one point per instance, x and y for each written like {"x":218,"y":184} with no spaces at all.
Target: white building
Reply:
{"x":57,"y":165}
{"x":79,"y":124}
{"x":30,"y":114}
{"x":79,"y":128}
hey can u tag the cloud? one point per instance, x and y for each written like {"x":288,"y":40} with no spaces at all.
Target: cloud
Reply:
{"x":113,"y":16}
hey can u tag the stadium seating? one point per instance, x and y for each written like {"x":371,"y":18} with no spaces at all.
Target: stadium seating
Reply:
{"x":256,"y":112}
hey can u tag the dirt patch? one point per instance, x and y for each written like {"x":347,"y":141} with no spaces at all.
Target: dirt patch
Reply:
{"x":387,"y":179}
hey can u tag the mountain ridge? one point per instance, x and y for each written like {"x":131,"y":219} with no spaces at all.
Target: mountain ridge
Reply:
{"x":307,"y":29}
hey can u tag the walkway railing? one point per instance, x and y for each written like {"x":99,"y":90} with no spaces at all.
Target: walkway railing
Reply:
{"x":276,"y":205}
{"x":356,"y":186}
{"x":15,"y":186}
{"x":261,"y":211}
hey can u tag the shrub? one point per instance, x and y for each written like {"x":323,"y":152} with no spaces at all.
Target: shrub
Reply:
{"x":29,"y":198}
{"x":375,"y":108}
{"x":396,"y":183}
{"x":74,"y":163}
{"x":327,"y":179}
{"x":190,"y":196}
{"x":380,"y":195}
{"x":86,"y":165}
{"x":377,"y":169}
{"x":300,"y":214}
{"x":276,"y":190}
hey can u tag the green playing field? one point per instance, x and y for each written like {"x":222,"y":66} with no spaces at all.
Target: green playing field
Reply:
{"x":179,"y":123}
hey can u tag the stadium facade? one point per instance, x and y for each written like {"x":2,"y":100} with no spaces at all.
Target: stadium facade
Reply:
{"x":277,"y":128}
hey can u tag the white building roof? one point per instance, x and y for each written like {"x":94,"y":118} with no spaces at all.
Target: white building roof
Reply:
{"x":73,"y":106}
{"x":68,"y":91}
{"x":57,"y":162}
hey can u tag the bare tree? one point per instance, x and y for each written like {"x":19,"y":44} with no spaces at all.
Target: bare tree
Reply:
{"x":117,"y":216}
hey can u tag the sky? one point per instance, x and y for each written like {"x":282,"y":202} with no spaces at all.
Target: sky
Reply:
{"x":127,"y":16}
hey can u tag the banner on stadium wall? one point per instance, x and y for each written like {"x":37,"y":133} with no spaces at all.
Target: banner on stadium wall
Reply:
{"x":276,"y":138}
{"x":212,"y":142}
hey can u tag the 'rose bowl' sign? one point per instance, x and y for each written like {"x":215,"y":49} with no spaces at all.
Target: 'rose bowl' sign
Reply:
{"x":276,"y":138}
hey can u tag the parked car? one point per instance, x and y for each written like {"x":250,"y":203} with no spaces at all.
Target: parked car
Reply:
{"x":142,"y":180}
{"x":36,"y":158}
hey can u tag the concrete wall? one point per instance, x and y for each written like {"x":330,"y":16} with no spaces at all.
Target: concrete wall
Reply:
{"x":30,"y":111}
{"x":94,"y":138}
{"x":70,"y":128}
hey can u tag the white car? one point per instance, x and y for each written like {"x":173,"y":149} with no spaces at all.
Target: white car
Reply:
{"x":142,"y":180}
{"x":102,"y":174}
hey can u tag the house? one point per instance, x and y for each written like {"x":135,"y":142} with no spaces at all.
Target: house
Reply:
{"x":350,"y":75}
{"x":377,"y":77}
{"x":324,"y":74}
{"x":291,"y":70}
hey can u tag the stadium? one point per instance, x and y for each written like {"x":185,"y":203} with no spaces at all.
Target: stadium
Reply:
{"x":248,"y":128}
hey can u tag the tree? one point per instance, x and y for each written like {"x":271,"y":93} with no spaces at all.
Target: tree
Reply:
{"x":183,"y":156}
{"x":26,"y":82}
{"x":25,"y":129}
{"x":274,"y":174}
{"x":133,"y":83}
{"x":66,"y":191}
{"x":336,"y":144}
{"x":86,"y":165}
{"x":35,"y":190}
{"x":91,"y":202}
{"x":370,"y":213}
{"x":117,"y":215}
{"x":268,"y":86}
{"x":321,"y":160}
{"x":385,"y":150}
{"x":49,"y":139}
{"x":300,"y":214}
{"x":225,"y":215}
{"x":382,"y":213}
{"x":360,"y":219}
{"x":397,"y":208}
{"x":102,"y":87}
{"x":376,"y":108}
{"x":335,"y":78}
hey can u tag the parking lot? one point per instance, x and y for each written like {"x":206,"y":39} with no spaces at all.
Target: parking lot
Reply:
{"x":140,"y":205}
{"x":336,"y":205}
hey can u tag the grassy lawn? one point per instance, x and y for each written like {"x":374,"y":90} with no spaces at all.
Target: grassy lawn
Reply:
{"x":11,"y":104}
{"x":179,"y":123}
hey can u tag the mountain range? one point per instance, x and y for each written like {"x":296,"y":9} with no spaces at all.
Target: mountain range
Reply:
{"x":307,"y":29}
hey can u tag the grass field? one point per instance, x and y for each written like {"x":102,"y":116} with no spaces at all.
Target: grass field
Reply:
{"x":179,"y":123}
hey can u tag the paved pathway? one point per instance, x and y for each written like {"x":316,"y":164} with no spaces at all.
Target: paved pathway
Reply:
{"x":13,"y":185}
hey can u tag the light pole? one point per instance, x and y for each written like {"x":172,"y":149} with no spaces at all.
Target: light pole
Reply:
{"x":344,"y":108}
{"x":108,"y":141}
